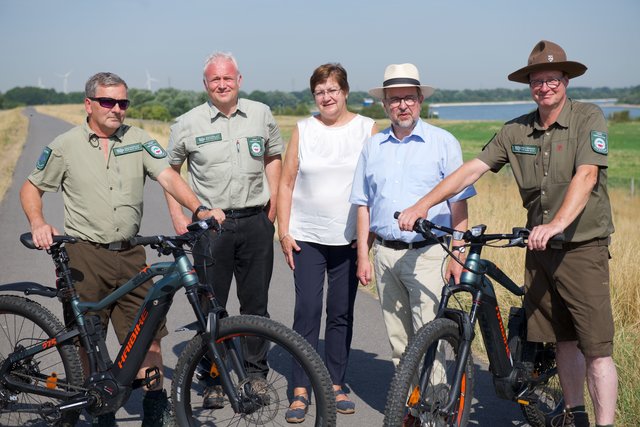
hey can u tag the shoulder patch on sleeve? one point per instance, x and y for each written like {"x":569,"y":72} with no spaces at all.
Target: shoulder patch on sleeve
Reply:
{"x":155,"y":149}
{"x":43,"y":159}
{"x":599,"y":142}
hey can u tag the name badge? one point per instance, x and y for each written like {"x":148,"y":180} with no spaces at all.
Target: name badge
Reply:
{"x":205,"y":139}
{"x":525,"y":149}
{"x":127,"y":149}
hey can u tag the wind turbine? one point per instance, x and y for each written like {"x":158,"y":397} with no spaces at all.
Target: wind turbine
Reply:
{"x":65,"y":80}
{"x":150,"y":80}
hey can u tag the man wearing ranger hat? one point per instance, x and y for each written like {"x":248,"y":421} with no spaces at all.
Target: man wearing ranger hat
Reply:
{"x":558,"y":155}
{"x":396,"y":167}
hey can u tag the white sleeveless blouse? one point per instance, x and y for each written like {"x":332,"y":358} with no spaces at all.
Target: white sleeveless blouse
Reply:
{"x":327,"y":158}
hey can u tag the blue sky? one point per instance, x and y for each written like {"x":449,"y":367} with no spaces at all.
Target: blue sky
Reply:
{"x":456,"y":44}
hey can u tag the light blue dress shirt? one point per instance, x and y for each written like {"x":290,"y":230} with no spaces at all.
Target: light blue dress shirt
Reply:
{"x":392,"y":175}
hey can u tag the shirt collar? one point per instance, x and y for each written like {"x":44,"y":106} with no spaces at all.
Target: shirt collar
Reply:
{"x":562,"y":120}
{"x":417,"y":134}
{"x":91,"y":135}
{"x":216,"y":113}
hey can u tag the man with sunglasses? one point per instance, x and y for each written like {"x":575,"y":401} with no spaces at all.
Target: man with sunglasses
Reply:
{"x":396,"y":167}
{"x":101,"y":167}
{"x":558,"y":155}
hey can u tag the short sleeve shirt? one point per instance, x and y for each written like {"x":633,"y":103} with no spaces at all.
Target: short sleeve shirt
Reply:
{"x":103,"y":200}
{"x":544,"y":161}
{"x":226,"y":155}
{"x":392,"y":175}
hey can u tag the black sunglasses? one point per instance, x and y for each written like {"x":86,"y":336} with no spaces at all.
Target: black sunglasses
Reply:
{"x":109,"y":103}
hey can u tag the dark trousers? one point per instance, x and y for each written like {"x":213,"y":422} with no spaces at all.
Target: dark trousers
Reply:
{"x":243,"y":250}
{"x":339,"y":264}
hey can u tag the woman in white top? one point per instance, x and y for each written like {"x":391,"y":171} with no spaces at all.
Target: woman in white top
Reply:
{"x":317,"y":226}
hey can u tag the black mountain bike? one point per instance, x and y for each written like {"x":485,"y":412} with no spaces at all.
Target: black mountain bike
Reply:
{"x":433,"y":384}
{"x":41,"y":377}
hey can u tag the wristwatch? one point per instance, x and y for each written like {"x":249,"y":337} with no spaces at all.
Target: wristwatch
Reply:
{"x":461,"y":249}
{"x":200,"y":209}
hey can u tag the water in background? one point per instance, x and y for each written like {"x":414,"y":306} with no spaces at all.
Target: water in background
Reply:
{"x":504,"y":111}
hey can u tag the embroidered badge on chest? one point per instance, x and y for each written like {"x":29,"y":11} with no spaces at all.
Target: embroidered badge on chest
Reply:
{"x":599,"y":142}
{"x":256,"y":145}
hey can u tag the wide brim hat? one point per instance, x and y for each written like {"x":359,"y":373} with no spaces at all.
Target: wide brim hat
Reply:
{"x":401,"y":75}
{"x":546,"y":56}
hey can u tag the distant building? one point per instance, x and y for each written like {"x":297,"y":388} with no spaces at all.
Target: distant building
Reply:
{"x":366,"y":102}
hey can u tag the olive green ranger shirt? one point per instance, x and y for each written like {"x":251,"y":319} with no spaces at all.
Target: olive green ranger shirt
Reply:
{"x":225,"y":155}
{"x":102,"y":199}
{"x":544,"y":161}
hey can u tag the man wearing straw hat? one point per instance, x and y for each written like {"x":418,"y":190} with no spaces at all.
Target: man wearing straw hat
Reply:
{"x":558,"y":155}
{"x":396,"y":167}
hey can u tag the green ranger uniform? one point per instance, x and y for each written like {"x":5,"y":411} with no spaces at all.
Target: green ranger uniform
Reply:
{"x":544,"y":162}
{"x":226,"y":154}
{"x":102,"y":200}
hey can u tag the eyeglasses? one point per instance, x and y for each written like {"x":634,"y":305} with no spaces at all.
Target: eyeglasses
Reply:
{"x":109,"y":103}
{"x":331,"y":92}
{"x":409,"y":100}
{"x":551,"y":83}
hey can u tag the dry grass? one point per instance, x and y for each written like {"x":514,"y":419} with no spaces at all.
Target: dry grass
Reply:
{"x":489,"y":207}
{"x":13,"y":135}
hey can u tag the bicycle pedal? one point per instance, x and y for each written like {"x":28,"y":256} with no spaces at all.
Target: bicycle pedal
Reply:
{"x":151,"y":379}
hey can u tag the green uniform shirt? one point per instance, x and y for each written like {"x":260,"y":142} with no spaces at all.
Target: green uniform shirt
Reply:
{"x":545,"y":160}
{"x":102,"y":200}
{"x":225,"y":155}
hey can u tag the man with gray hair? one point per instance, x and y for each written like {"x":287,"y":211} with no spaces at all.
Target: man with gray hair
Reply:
{"x":101,"y":167}
{"x":233,"y":149}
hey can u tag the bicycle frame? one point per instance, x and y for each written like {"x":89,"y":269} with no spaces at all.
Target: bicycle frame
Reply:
{"x":118,"y":378}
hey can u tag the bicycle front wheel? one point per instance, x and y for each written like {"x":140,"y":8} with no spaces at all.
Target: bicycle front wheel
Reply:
{"x":265,"y":391}
{"x":430,"y":359}
{"x":23,"y":324}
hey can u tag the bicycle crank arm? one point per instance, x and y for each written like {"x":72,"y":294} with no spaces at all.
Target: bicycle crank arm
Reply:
{"x":73,"y":404}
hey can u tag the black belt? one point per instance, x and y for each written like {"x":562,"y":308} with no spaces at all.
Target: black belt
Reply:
{"x":399,"y":244}
{"x":113,"y":246}
{"x":243,"y":212}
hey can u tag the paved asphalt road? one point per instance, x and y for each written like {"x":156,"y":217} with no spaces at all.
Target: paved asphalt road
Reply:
{"x":370,"y":368}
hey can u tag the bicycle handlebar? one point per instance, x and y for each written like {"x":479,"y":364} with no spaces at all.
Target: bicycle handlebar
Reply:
{"x":195,"y":230}
{"x":476,"y":234}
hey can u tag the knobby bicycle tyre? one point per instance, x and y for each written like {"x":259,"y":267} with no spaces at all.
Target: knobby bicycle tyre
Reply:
{"x":24,"y":323}
{"x":406,"y":404}
{"x":271,"y":387}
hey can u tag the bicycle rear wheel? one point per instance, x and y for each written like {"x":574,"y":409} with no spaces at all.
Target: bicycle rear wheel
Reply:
{"x":268,"y":392}
{"x":407,"y":404}
{"x":24,"y":323}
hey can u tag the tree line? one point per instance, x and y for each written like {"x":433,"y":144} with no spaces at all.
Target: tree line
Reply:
{"x":168,"y":103}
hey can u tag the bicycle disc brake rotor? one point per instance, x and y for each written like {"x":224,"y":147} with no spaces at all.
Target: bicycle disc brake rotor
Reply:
{"x":260,"y":399}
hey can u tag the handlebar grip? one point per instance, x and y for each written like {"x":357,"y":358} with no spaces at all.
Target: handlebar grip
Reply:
{"x":145,"y":241}
{"x":396,"y":215}
{"x":204,"y":224}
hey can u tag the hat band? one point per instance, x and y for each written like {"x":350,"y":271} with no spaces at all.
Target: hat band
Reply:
{"x":401,"y":81}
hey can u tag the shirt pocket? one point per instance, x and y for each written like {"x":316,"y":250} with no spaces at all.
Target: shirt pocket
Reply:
{"x":251,"y":151}
{"x":213,"y":153}
{"x":562,"y":162}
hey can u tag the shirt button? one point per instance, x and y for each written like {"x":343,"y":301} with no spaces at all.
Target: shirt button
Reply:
{"x":542,"y":192}
{"x":545,"y":174}
{"x":546,"y":153}
{"x":114,"y":209}
{"x":117,"y":228}
{"x":546,"y":212}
